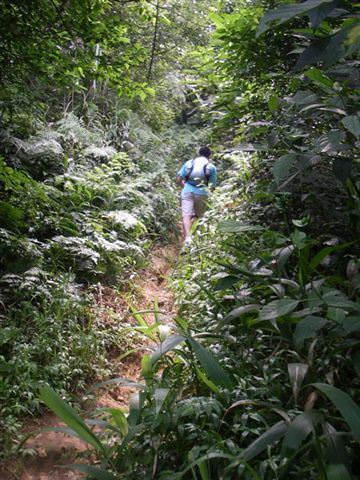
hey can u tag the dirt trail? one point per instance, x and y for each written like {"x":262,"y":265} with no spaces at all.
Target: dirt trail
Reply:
{"x":52,"y":450}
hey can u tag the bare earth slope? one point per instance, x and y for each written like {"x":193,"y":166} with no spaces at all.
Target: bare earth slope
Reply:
{"x":53,"y":450}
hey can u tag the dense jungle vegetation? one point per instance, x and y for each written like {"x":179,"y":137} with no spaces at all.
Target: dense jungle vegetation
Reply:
{"x":100,"y":103}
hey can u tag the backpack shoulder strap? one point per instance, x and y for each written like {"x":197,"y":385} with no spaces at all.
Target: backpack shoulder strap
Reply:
{"x":207,"y":172}
{"x":190,"y":169}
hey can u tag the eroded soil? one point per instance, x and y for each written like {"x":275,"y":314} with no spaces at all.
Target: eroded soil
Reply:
{"x":50,"y":452}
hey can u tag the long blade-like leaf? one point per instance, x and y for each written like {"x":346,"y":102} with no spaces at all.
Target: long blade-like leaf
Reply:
{"x":68,"y":415}
{"x":272,"y":435}
{"x":211,"y":366}
{"x":347,"y":407}
{"x":298,"y":430}
{"x":122,"y":381}
{"x":297,"y":372}
{"x":168,"y":344}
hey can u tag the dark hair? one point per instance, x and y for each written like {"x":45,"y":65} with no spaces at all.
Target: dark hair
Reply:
{"x":205,"y":152}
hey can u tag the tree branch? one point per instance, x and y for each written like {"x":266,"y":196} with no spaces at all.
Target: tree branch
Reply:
{"x":154,"y":41}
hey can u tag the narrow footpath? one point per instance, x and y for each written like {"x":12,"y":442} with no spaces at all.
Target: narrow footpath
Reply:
{"x":48,"y":452}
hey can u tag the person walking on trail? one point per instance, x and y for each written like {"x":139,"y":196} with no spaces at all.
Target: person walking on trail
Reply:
{"x":196,"y":176}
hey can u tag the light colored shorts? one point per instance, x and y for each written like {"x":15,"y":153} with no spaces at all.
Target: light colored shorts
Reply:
{"x":193,"y":205}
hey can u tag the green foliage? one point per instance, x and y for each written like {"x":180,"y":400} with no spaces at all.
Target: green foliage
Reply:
{"x":271,"y":323}
{"x":260,"y":376}
{"x":95,"y":221}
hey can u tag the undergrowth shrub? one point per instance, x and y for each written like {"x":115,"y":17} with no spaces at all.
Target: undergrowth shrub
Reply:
{"x":65,"y":229}
{"x":48,"y":337}
{"x":258,"y":379}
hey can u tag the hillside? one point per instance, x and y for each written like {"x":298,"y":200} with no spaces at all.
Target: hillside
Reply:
{"x":245,"y":363}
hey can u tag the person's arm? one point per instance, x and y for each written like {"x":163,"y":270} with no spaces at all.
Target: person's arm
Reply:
{"x":213,"y":179}
{"x":180,"y":179}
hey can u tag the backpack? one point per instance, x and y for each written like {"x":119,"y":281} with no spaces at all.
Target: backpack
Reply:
{"x":199,"y":176}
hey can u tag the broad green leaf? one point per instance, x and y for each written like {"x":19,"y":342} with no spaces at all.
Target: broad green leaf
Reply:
{"x":352,"y":124}
{"x":119,"y":418}
{"x":352,"y":323}
{"x":204,"y":470}
{"x":282,"y":167}
{"x":135,"y":408}
{"x":335,"y":447}
{"x":303,"y":97}
{"x":96,"y":473}
{"x":212,"y":368}
{"x":233,"y":226}
{"x":278,"y":308}
{"x":297,"y":372}
{"x":283,"y":255}
{"x":330,"y":142}
{"x":337,"y":472}
{"x":299,"y":239}
{"x":273,"y":103}
{"x":324,"y":252}
{"x":319,"y":77}
{"x":327,"y":50}
{"x":160,"y":395}
{"x":203,"y":378}
{"x":298,"y":430}
{"x":344,"y":403}
{"x":168,"y":344}
{"x":336,"y":314}
{"x":272,"y":435}
{"x":238,"y":311}
{"x":226,"y":282}
{"x":308,"y":328}
{"x":68,"y":415}
{"x":335,"y":298}
{"x":317,"y":10}
{"x":146,"y":366}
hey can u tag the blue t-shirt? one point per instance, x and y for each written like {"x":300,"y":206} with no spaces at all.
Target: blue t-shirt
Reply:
{"x":198,"y":190}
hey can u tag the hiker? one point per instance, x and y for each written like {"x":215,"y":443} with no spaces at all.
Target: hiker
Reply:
{"x":195,"y":176}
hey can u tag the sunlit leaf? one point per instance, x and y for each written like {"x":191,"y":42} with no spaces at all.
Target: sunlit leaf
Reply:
{"x":278,"y":308}
{"x":319,"y":77}
{"x":317,"y":10}
{"x":297,"y":372}
{"x":166,"y":346}
{"x":238,"y":311}
{"x":160,"y":395}
{"x":68,"y":415}
{"x":233,"y":226}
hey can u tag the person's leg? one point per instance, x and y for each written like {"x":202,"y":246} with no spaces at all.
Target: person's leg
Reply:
{"x":200,"y":205}
{"x":187,"y":209}
{"x":187,"y":221}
